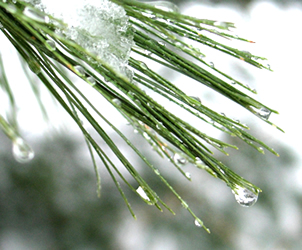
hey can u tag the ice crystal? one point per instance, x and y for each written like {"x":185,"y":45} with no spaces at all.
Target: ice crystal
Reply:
{"x":101,"y":27}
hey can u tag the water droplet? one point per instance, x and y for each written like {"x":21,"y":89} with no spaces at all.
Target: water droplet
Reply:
{"x":247,"y":54}
{"x":156,"y":171}
{"x":143,"y":65}
{"x":198,"y":223}
{"x":185,"y":204}
{"x":91,"y":80}
{"x":117,"y":101}
{"x":188,"y":175}
{"x":11,"y":8}
{"x":147,"y":137}
{"x":196,"y":98}
{"x":22,"y":151}
{"x":264,"y":113}
{"x":211,"y":64}
{"x":161,"y":43}
{"x":179,"y":159}
{"x":31,"y":13}
{"x":222,"y":25}
{"x":50,"y":44}
{"x":34,"y":66}
{"x":80,"y":70}
{"x":147,"y":52}
{"x":244,"y":196}
{"x":199,"y":162}
{"x":142,"y":193}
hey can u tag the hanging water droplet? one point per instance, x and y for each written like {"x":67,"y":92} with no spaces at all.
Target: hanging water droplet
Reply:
{"x":244,"y":196}
{"x":264,"y":113}
{"x":31,"y":13}
{"x":80,"y":70}
{"x":188,"y":175}
{"x":117,"y":101}
{"x":22,"y":151}
{"x":198,"y":223}
{"x":179,"y":159}
{"x":50,"y":45}
{"x":211,"y":64}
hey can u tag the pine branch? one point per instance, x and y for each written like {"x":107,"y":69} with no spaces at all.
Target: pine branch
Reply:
{"x":157,"y":33}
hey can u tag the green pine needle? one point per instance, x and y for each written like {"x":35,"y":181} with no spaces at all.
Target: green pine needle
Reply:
{"x":158,"y":36}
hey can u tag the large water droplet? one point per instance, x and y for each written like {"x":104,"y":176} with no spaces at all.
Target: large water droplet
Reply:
{"x":264,"y":113}
{"x":179,"y":159}
{"x":244,"y":196}
{"x":31,"y":13}
{"x":80,"y":70}
{"x":50,"y":45}
{"x":22,"y":151}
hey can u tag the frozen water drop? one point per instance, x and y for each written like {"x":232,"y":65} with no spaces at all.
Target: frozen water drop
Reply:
{"x":80,"y":70}
{"x":164,"y":5}
{"x":33,"y":14}
{"x":264,"y":113}
{"x":22,"y":151}
{"x":50,"y":45}
{"x":198,"y":223}
{"x":179,"y":159}
{"x":244,"y":196}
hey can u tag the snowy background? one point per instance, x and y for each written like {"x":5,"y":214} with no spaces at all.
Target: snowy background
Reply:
{"x":50,"y":203}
